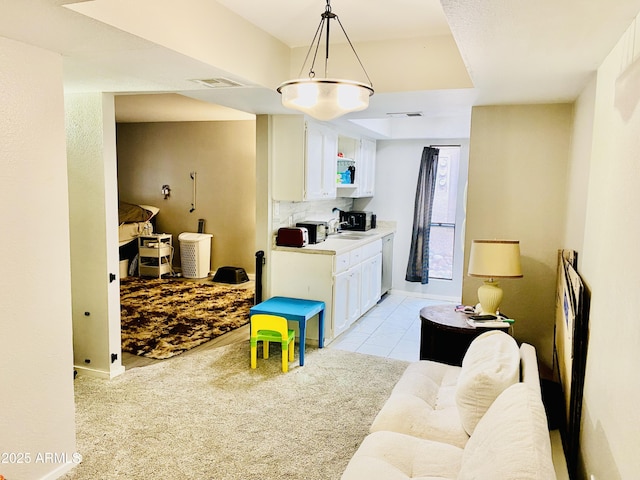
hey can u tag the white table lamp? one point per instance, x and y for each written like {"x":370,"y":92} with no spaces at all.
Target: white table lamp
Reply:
{"x":493,"y":259}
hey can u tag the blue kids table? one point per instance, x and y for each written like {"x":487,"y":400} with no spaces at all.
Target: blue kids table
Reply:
{"x":297,"y":310}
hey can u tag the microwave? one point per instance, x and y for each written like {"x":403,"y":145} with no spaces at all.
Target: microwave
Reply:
{"x":357,"y":220}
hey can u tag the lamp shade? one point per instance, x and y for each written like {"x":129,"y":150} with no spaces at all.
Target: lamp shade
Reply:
{"x":325,"y":98}
{"x":495,"y":259}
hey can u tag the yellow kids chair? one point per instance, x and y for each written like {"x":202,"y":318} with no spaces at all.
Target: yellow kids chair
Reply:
{"x":271,"y":328}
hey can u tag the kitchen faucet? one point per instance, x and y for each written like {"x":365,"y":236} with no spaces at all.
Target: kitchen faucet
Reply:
{"x":343,"y":215}
{"x":335,"y":225}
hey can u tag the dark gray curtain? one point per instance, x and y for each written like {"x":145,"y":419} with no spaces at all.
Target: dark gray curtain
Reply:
{"x":418,"y":266}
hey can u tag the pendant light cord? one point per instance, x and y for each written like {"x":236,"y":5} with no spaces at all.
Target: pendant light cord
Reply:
{"x":354,"y":50}
{"x":326,"y":17}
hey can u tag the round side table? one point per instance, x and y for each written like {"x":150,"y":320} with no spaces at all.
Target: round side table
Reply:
{"x":445,"y":334}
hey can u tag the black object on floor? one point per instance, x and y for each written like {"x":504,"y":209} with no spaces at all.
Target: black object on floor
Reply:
{"x":259,"y":264}
{"x":553,"y":401}
{"x":231,"y":275}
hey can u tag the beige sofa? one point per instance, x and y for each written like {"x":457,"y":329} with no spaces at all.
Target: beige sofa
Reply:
{"x":483,"y":420}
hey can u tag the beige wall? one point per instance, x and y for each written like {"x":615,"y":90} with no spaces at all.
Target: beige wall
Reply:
{"x":609,"y":265}
{"x":36,"y":370}
{"x":224,"y":156}
{"x":517,"y":176}
{"x":91,"y":167}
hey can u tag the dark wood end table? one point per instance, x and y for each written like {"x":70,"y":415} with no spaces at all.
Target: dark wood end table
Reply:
{"x":445,"y":334}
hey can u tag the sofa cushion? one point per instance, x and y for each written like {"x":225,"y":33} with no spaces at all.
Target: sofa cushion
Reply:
{"x":396,"y":456}
{"x":491,"y":364}
{"x":423,"y":404}
{"x":511,"y":440}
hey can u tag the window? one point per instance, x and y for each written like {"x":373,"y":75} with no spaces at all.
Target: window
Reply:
{"x":443,"y":220}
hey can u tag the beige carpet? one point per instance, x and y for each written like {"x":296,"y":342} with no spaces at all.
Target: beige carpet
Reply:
{"x":209,"y":416}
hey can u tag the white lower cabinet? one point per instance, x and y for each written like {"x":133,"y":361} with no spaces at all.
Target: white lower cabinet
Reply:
{"x":347,"y":293}
{"x":371,"y":284}
{"x":349,"y":283}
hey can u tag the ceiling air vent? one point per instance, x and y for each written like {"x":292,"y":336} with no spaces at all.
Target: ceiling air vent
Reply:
{"x":219,"y":82}
{"x":404,"y":114}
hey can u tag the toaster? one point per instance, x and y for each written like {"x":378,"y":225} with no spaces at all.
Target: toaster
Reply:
{"x":292,"y":237}
{"x":317,"y":230}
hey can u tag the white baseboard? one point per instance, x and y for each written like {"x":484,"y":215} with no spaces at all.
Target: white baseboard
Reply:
{"x":426,"y":296}
{"x":59,"y":471}
{"x":92,"y":372}
{"x":559,"y":460}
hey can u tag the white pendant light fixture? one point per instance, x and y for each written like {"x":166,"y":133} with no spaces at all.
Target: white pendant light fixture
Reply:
{"x":325,"y":98}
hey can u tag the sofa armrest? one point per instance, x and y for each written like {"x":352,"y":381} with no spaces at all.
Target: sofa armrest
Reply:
{"x":529,"y":373}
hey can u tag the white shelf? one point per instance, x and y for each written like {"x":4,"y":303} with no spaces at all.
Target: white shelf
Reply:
{"x":154,"y":255}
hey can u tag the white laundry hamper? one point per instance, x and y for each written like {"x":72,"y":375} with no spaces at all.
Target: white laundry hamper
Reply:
{"x":195,"y":254}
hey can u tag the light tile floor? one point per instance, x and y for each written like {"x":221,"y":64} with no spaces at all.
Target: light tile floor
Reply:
{"x":390,"y":329}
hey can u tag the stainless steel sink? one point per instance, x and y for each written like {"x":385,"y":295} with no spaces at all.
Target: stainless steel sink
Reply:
{"x":351,"y":236}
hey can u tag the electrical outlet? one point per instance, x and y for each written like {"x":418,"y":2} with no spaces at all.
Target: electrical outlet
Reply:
{"x":592,"y":477}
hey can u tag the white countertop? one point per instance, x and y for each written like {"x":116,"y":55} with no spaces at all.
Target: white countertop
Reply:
{"x":334,"y":244}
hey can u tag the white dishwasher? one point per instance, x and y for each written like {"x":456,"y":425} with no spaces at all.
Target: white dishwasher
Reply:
{"x":387,"y":262}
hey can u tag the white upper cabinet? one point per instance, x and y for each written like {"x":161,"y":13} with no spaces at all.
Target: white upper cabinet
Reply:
{"x":304,"y":159}
{"x":322,"y":149}
{"x":359,"y":153}
{"x":367,"y":161}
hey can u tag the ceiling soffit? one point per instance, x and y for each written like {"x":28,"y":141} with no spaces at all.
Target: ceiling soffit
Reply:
{"x":202,"y":30}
